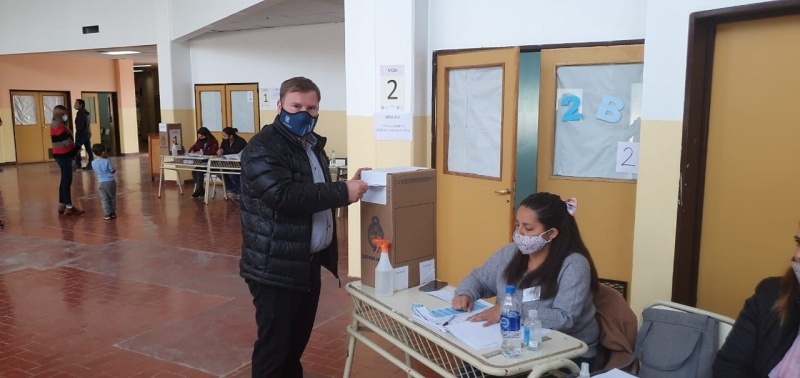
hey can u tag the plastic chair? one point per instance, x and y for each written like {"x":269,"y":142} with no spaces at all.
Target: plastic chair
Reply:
{"x":725,"y":323}
{"x":724,"y":326}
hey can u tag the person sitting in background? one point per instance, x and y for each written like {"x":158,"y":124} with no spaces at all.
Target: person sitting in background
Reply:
{"x":764,"y":341}
{"x":549,"y":263}
{"x":231,"y":144}
{"x":207,"y":145}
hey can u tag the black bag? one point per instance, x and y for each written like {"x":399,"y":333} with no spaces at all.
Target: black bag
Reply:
{"x":676,"y":344}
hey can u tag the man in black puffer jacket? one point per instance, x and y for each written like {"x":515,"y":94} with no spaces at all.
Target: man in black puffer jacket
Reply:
{"x":288,"y":232}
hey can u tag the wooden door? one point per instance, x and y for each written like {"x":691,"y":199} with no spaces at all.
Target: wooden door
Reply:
{"x":476,"y":113}
{"x":210,"y":107}
{"x":242,"y":109}
{"x":31,"y":116}
{"x":606,"y":206}
{"x":750,"y":202}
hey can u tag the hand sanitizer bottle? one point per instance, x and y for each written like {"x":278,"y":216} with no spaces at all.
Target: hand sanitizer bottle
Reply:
{"x":384,"y":273}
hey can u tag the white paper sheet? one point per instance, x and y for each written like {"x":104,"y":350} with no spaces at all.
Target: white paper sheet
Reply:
{"x":475,"y":335}
{"x":615,"y":373}
{"x":394,"y":125}
{"x":427,"y":271}
{"x":401,"y":278}
{"x":474,"y":129}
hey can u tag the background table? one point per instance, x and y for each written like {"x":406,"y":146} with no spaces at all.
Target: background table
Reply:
{"x":391,"y":318}
{"x":208,"y":164}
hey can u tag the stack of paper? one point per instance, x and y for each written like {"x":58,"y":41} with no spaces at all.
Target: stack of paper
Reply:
{"x":476,"y":335}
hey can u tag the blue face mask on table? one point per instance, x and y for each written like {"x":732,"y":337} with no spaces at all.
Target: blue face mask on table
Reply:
{"x":300,"y":123}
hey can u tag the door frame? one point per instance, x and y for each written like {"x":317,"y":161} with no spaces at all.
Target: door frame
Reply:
{"x":694,"y":146}
{"x":116,"y":150}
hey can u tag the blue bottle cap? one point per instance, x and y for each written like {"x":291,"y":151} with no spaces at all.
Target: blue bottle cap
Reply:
{"x":510,"y":289}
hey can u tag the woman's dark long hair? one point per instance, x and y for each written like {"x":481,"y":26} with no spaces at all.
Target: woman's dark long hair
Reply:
{"x":552,"y":213}
{"x":789,"y":290}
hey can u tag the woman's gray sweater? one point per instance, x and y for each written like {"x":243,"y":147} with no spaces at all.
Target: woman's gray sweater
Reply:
{"x":571,"y":311}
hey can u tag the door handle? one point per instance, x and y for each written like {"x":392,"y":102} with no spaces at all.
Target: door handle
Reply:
{"x":504,"y":192}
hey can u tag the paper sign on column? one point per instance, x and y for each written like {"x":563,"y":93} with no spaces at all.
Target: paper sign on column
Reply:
{"x":627,"y":157}
{"x":392,"y":94}
{"x":426,"y":271}
{"x":268,"y":97}
{"x":393,"y":125}
{"x":401,"y":278}
{"x":162,"y":127}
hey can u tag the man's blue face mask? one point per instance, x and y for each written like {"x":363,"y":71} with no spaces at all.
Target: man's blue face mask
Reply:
{"x":300,"y":123}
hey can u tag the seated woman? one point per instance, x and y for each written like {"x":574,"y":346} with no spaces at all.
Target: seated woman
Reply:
{"x":549,"y":264}
{"x":764,"y":341}
{"x":231,"y":144}
{"x":208,"y":145}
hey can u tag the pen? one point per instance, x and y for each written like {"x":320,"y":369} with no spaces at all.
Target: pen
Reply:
{"x":448,"y":321}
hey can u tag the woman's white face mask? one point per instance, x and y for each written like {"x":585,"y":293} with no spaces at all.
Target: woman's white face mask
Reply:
{"x":530,"y":244}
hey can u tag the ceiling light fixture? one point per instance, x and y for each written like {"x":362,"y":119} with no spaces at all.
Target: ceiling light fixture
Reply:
{"x":123,"y":52}
{"x":138,"y":71}
{"x":142,"y":65}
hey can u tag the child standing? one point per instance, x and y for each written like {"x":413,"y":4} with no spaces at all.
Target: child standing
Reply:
{"x":105,"y":181}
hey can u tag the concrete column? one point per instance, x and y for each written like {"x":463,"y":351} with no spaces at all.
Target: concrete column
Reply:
{"x":174,"y":76}
{"x":126,"y":96}
{"x":383,"y":33}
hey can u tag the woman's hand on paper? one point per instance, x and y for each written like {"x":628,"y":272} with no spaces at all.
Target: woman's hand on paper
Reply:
{"x":462,"y":303}
{"x":490,"y":316}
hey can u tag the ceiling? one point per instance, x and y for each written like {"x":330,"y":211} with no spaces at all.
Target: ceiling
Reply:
{"x":265,"y":14}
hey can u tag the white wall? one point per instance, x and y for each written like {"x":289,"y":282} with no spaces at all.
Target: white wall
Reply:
{"x":463,"y":24}
{"x":270,"y":56}
{"x":667,"y":34}
{"x":190,"y":15}
{"x":55,"y":25}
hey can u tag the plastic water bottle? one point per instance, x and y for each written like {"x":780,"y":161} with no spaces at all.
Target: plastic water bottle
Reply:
{"x":174,"y":149}
{"x":584,"y":370}
{"x":384,"y":273}
{"x":510,"y":324}
{"x":532,"y":331}
{"x":333,"y":158}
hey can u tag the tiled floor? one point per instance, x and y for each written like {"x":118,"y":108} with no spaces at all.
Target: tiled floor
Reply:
{"x":155,"y":292}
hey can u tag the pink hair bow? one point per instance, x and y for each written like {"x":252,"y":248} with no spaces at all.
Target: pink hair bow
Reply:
{"x":572,"y":205}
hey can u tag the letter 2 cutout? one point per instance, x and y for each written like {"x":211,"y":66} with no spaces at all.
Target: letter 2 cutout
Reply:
{"x":572,"y":113}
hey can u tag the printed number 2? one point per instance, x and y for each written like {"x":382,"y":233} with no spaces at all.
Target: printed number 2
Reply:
{"x":630,"y":155}
{"x":394,"y":88}
{"x":572,"y":113}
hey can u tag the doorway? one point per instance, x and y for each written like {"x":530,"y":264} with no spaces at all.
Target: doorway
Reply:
{"x":476,"y":110}
{"x":223,"y":105}
{"x":738,"y":205}
{"x":32,"y":112}
{"x":476,"y":210}
{"x":102,"y":120}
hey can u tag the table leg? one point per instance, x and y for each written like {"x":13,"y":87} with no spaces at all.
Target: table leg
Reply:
{"x":224,"y":189}
{"x":408,"y":363}
{"x":208,"y":180}
{"x":160,"y":180}
{"x":351,"y":350}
